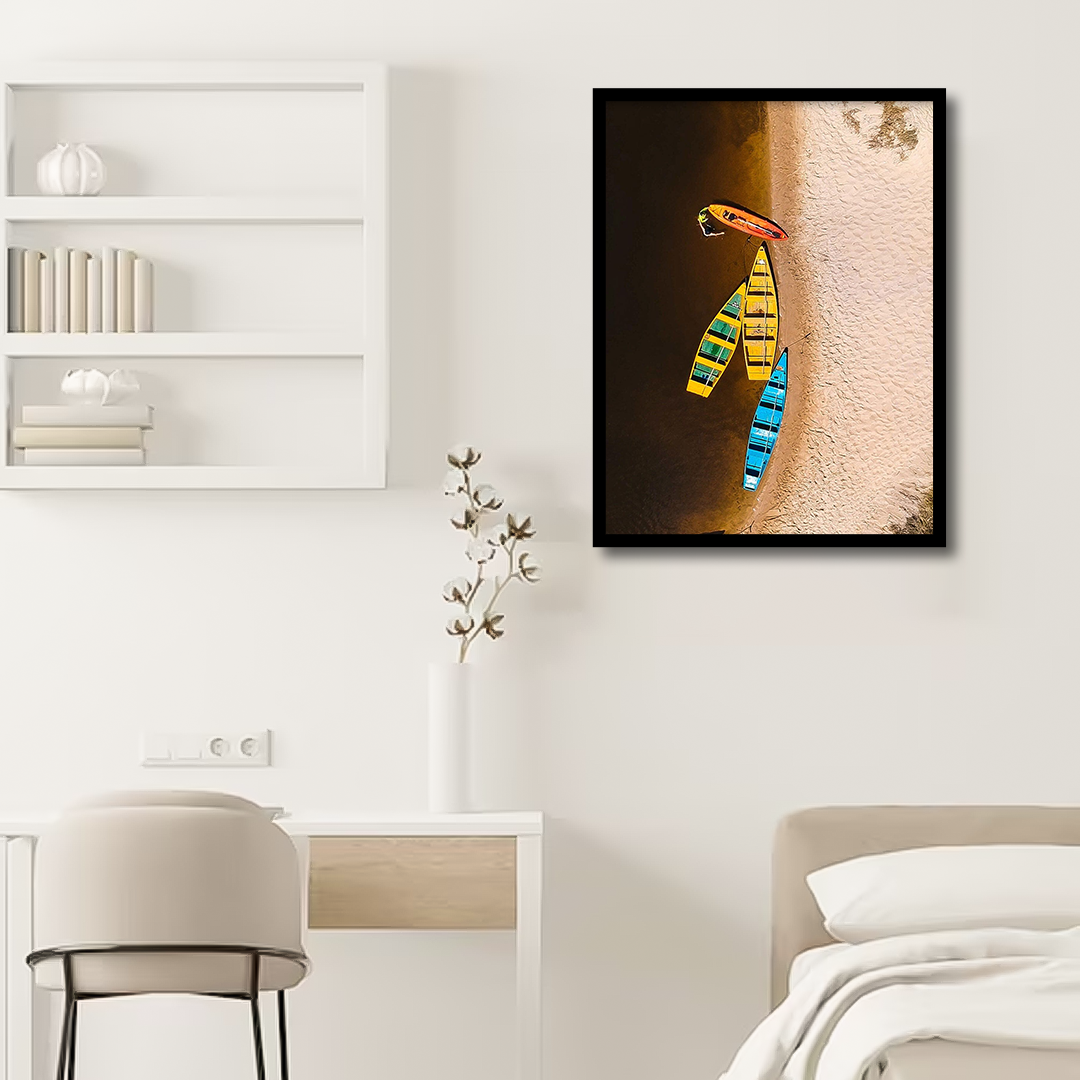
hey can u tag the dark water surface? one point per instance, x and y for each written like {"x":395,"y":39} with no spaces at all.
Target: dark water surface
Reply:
{"x":674,"y":460}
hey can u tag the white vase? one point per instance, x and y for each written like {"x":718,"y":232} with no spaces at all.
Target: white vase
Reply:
{"x":449,"y":743}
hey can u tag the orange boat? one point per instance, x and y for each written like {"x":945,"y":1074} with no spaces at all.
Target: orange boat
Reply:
{"x":716,"y":217}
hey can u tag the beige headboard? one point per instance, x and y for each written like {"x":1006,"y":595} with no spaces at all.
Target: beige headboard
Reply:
{"x":810,"y":839}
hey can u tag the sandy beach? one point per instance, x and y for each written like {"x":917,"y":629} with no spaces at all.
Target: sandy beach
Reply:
{"x":852,"y":183}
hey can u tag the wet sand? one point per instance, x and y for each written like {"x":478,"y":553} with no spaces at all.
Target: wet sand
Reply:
{"x":852,"y":183}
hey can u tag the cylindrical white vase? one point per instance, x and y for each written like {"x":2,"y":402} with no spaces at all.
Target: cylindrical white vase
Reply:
{"x":449,"y":710}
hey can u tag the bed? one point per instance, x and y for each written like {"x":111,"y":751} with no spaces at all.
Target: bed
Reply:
{"x":812,"y":839}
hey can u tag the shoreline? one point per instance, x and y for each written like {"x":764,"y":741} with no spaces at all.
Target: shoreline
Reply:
{"x":797,"y":308}
{"x":856,"y":450}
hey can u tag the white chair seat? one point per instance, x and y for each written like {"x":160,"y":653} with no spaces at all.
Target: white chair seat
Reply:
{"x":167,"y":868}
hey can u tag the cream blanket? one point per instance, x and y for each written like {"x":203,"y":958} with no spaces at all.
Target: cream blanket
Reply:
{"x":1004,"y":987}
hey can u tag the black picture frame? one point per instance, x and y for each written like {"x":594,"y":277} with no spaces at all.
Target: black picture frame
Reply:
{"x":602,"y":536}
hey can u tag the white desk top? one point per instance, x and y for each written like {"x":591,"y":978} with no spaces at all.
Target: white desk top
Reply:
{"x":485,"y":823}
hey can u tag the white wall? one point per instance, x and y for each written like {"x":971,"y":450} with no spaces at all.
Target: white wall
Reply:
{"x":626,"y":700}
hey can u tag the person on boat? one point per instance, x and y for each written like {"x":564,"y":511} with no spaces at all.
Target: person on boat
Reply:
{"x":705,"y":220}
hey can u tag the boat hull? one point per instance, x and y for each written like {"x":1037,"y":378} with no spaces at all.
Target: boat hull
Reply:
{"x":717,"y":345}
{"x":716,"y":217}
{"x":761,"y":318}
{"x":765,"y":428}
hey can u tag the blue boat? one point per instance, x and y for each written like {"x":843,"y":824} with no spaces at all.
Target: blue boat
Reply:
{"x":765,"y":429}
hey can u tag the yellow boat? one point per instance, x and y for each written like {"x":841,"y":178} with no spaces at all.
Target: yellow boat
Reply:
{"x":761,"y":319}
{"x":718,"y":345}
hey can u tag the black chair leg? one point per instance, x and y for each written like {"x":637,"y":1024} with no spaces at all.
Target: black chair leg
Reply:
{"x":283,"y":1037}
{"x":256,"y":1019}
{"x":63,"y":1051}
{"x":256,"y":1027}
{"x":71,"y":1040}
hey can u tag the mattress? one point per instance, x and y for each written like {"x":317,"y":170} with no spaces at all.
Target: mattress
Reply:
{"x":936,"y":1059}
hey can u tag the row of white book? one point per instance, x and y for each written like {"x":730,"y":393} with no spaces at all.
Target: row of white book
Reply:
{"x":83,"y":434}
{"x":72,"y":291}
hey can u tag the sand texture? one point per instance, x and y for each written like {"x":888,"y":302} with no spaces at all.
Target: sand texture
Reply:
{"x":852,"y":183}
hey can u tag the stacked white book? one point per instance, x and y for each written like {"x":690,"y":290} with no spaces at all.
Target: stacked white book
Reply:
{"x":79,"y":292}
{"x":83,"y":434}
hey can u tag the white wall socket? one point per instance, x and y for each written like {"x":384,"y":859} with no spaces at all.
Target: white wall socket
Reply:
{"x":211,"y":749}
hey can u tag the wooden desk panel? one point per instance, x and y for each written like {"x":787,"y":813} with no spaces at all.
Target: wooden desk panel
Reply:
{"x":412,"y":883}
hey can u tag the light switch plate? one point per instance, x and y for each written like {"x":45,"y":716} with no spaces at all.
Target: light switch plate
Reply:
{"x":209,"y":749}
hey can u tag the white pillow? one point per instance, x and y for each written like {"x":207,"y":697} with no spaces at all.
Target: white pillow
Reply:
{"x":1029,"y":886}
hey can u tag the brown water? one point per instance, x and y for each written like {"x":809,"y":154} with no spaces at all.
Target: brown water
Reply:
{"x":674,"y":460}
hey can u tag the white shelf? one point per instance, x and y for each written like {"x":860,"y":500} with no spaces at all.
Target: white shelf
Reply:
{"x":186,"y":209}
{"x":179,"y":477}
{"x":480,"y":823}
{"x":327,"y":343}
{"x":194,"y":75}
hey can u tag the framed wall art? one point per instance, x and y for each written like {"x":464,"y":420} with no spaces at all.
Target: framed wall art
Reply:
{"x":769,"y":350}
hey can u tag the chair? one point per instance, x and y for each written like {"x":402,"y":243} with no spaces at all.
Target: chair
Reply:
{"x":167,"y":892}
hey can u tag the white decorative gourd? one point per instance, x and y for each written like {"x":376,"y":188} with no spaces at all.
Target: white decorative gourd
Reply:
{"x":88,"y":386}
{"x":122,"y":385}
{"x":71,"y":170}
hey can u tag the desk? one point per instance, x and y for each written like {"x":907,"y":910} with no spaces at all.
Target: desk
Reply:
{"x":395,"y":871}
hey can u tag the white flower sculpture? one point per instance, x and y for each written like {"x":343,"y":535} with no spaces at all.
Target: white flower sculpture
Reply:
{"x":476,"y":612}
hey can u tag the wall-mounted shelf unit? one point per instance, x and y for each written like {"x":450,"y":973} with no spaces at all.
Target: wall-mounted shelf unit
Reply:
{"x":259,"y":193}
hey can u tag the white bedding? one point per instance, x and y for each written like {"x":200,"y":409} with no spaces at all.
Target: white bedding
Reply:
{"x":1018,"y":988}
{"x":941,"y":1059}
{"x":805,"y":962}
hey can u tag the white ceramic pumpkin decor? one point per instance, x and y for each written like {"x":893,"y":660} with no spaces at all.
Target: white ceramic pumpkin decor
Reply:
{"x":85,"y":386}
{"x":122,"y":385}
{"x":71,"y":170}
{"x":88,"y":386}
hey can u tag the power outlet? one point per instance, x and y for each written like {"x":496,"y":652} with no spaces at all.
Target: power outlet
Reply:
{"x":211,"y":749}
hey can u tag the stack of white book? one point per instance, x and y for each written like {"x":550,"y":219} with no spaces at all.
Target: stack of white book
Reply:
{"x":83,"y":434}
{"x":72,"y":291}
